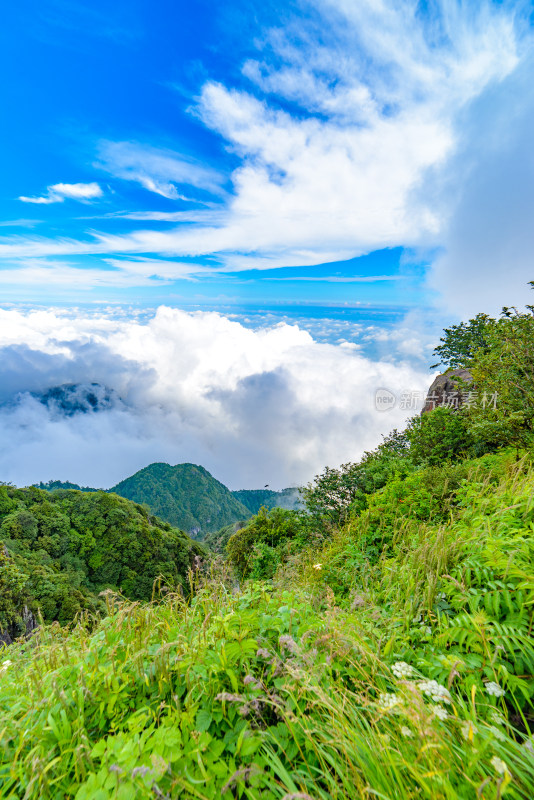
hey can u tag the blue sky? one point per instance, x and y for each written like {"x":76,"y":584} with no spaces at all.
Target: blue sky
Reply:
{"x":258,"y":153}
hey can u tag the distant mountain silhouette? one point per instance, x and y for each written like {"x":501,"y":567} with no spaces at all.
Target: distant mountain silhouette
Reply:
{"x":79,"y":398}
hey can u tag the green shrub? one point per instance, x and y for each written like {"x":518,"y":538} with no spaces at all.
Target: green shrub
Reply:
{"x":437,"y":436}
{"x":267,"y":540}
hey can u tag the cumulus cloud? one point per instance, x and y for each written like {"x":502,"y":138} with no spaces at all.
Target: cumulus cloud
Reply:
{"x":73,"y":191}
{"x":489,"y":237}
{"x":254,"y":406}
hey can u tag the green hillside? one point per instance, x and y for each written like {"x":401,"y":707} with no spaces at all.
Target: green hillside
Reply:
{"x":190,"y":498}
{"x":185,"y":495}
{"x":254,"y":499}
{"x":62,"y":548}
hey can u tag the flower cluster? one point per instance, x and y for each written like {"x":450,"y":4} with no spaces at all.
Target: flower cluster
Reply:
{"x":499,"y":765}
{"x":288,"y":643}
{"x":5,"y":665}
{"x":402,"y":670}
{"x":439,"y":712}
{"x":494,"y":689}
{"x":469,"y":730}
{"x":250,"y":680}
{"x":433,"y":689}
{"x":497,"y":732}
{"x":387,"y":701}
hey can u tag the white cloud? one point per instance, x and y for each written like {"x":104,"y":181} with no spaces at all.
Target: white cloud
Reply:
{"x":157,"y":170}
{"x":253,"y":406}
{"x":73,"y":191}
{"x":490,"y":234}
{"x":401,"y":118}
{"x":120,"y":273}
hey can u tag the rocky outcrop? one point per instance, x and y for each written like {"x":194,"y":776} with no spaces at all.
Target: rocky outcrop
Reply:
{"x":452,"y":389}
{"x":20,"y":620}
{"x":24,"y":627}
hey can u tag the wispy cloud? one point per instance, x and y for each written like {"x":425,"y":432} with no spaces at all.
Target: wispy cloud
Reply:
{"x":157,"y":170}
{"x":341,"y":278}
{"x":72,"y":191}
{"x":19,"y":223}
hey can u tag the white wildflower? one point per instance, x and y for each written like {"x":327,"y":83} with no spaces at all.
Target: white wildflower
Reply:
{"x":496,"y":718}
{"x":387,"y":701}
{"x":5,"y":664}
{"x":402,"y":670}
{"x":433,"y":689}
{"x":494,"y":689}
{"x":439,"y":712}
{"x":469,"y":730}
{"x":497,"y":732}
{"x":317,"y":566}
{"x":406,"y":732}
{"x":499,"y":765}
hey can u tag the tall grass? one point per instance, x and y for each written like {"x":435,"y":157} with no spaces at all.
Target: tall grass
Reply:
{"x":401,"y":667}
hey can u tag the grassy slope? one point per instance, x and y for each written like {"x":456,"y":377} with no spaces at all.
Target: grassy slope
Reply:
{"x":298,"y":693}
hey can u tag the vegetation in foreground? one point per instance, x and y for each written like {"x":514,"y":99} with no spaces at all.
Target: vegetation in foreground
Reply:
{"x":379,"y":645}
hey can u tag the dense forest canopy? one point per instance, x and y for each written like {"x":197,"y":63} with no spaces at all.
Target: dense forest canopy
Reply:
{"x":65,"y":547}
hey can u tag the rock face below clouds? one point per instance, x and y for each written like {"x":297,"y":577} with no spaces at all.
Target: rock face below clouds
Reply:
{"x":24,"y":627}
{"x":79,"y":398}
{"x":449,"y":389}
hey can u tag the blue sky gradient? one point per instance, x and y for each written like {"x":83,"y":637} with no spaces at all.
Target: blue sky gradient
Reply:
{"x":250,"y":153}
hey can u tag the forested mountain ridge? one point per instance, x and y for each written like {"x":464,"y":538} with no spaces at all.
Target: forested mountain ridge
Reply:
{"x":254,"y":499}
{"x":190,"y":498}
{"x":186,"y":495}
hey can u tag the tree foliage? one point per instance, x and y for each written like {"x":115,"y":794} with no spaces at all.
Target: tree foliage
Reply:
{"x":461,"y":343}
{"x":71,"y":545}
{"x":438,"y":436}
{"x":267,"y":540}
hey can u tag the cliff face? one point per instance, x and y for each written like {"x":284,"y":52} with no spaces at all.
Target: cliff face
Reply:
{"x":24,"y":627}
{"x":450,"y":389}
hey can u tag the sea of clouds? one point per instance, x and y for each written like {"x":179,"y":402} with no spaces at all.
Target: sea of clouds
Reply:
{"x":260,"y":406}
